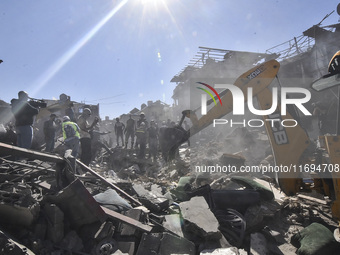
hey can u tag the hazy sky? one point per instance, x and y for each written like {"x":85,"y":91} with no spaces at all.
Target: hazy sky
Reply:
{"x":121,"y":54}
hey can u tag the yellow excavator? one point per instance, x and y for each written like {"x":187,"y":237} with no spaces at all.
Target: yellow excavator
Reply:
{"x":290,"y":145}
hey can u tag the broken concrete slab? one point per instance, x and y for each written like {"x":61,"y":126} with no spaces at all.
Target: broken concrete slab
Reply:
{"x":174,"y":224}
{"x":153,"y":200}
{"x":78,"y":205}
{"x":199,"y":219}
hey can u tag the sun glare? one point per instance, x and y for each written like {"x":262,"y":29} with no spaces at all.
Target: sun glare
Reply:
{"x":73,"y":50}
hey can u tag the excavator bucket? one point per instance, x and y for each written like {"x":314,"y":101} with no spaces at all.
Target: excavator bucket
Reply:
{"x":170,"y":140}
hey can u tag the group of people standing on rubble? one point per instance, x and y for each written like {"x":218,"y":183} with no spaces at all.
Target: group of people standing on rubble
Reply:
{"x":80,"y":134}
{"x":76,"y":132}
{"x":141,"y":133}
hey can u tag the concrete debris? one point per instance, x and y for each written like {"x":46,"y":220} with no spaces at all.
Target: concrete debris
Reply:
{"x":153,"y":199}
{"x":199,"y":219}
{"x":121,"y":204}
{"x":173,"y":223}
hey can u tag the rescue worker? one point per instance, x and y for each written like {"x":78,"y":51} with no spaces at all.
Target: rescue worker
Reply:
{"x":24,"y":114}
{"x":141,"y":119}
{"x":153,"y":140}
{"x":85,"y":137}
{"x":71,"y":135}
{"x":141,"y":140}
{"x":65,"y":101}
{"x":49,"y":132}
{"x":96,"y":143}
{"x":163,"y":140}
{"x":130,"y":131}
{"x":119,"y":130}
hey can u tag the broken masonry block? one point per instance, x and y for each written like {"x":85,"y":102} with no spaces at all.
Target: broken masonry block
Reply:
{"x":173,"y":223}
{"x":199,"y":219}
{"x":164,"y":244}
{"x":152,"y":200}
{"x":78,"y":205}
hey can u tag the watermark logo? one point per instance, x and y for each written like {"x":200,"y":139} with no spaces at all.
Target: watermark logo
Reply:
{"x":239,"y":99}
{"x":204,"y":96}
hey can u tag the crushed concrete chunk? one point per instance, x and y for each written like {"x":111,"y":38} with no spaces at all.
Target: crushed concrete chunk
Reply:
{"x":173,"y":223}
{"x":154,"y":200}
{"x":199,"y":218}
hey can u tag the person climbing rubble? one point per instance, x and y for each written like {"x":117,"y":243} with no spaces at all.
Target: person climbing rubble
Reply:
{"x":50,"y":132}
{"x":153,"y":140}
{"x":24,"y":113}
{"x":141,"y":140}
{"x":130,"y":131}
{"x":85,"y":137}
{"x":119,"y":130}
{"x":71,"y":135}
{"x":96,"y":143}
{"x":141,"y":119}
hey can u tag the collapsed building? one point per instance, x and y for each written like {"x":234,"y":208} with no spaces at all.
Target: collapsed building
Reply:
{"x":303,"y":59}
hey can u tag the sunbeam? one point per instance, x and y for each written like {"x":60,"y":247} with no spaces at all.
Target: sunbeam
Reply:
{"x":55,"y":68}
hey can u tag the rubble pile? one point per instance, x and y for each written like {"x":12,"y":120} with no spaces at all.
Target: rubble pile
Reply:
{"x":51,"y":204}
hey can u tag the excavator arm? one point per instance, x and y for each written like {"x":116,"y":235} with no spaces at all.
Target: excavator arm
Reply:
{"x":288,"y":144}
{"x":259,"y":78}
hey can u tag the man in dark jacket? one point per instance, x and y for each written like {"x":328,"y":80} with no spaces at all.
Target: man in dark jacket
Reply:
{"x":24,"y":113}
{"x":49,"y":132}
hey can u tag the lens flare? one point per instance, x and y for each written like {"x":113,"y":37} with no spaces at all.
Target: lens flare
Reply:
{"x":55,"y":68}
